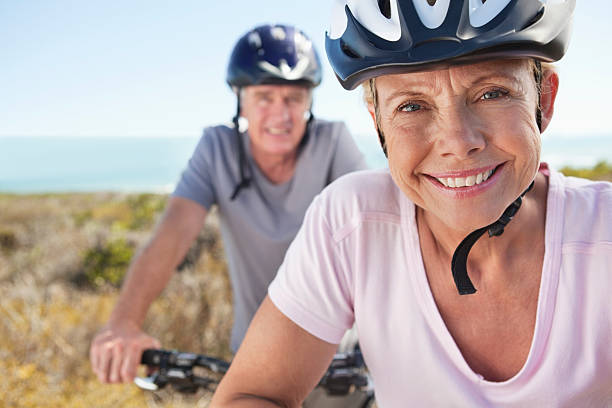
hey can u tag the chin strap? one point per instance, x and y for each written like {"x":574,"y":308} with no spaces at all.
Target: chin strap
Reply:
{"x":245,"y":180}
{"x":459,"y":262}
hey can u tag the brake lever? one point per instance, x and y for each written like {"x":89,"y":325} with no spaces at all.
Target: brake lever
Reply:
{"x":149,"y":383}
{"x":163,"y":377}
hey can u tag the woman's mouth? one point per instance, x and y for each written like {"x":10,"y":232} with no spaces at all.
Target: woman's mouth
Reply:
{"x":456,"y":182}
{"x":466,"y":182}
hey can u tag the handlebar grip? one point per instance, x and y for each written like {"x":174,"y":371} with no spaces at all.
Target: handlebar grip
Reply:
{"x":152,"y":357}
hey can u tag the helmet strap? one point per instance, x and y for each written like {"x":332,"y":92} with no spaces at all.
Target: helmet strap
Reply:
{"x":537,"y":73}
{"x":381,"y":135}
{"x":307,"y":129}
{"x":245,"y":181}
{"x":459,"y":261}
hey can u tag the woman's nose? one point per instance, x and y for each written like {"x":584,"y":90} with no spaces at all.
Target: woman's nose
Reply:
{"x":460,"y":133}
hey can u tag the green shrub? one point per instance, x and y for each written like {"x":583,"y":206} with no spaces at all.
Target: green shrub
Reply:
{"x":136,"y":212}
{"x":144,"y":208}
{"x":105,"y":264}
{"x":601,"y":171}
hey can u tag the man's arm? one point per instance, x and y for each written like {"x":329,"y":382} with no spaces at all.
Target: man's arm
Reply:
{"x":116,"y":349}
{"x":277,"y":365}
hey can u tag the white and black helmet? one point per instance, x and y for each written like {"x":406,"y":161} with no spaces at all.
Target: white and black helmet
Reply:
{"x":368,"y":38}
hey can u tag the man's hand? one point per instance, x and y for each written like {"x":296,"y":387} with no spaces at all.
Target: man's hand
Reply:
{"x":116,"y":350}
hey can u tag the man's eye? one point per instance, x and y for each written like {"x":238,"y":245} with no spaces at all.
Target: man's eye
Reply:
{"x":494,"y":94}
{"x":409,"y":107}
{"x":296,"y":100}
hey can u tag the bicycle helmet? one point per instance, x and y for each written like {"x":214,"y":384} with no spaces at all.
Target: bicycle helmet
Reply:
{"x":368,"y":38}
{"x":270,"y":54}
{"x":274,"y":54}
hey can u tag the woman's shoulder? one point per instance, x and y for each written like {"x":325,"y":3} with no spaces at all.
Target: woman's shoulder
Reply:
{"x":586,"y":194}
{"x":362,"y":194}
{"x":364,"y":185}
{"x":586,"y":208}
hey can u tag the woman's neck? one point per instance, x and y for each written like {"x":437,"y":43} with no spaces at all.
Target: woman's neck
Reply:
{"x":490,"y":254}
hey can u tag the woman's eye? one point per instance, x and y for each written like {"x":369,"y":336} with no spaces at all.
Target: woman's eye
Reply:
{"x":494,"y":94}
{"x":409,"y":107}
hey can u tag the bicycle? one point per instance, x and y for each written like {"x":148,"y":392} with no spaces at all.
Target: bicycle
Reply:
{"x":346,"y":374}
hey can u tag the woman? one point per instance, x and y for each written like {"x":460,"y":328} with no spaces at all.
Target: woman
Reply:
{"x":525,"y":319}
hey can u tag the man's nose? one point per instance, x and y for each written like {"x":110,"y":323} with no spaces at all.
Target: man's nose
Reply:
{"x":281,"y":110}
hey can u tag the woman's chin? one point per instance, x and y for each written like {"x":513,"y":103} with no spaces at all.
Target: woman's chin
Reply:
{"x":463,"y":224}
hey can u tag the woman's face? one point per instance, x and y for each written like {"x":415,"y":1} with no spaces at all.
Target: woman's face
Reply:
{"x":462,"y":142}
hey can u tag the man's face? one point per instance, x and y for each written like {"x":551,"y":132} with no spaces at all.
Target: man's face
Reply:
{"x":276,"y":116}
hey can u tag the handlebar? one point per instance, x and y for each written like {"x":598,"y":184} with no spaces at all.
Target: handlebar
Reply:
{"x":176,"y":368}
{"x":179,"y":359}
{"x":345,"y":374}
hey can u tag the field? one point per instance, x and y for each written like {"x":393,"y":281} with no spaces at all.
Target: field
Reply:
{"x":62,"y":257}
{"x":61,"y":260}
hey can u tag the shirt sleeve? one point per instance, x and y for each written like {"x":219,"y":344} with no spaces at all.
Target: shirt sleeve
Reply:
{"x":348,"y":157}
{"x":311,"y":287}
{"x":196,"y":181}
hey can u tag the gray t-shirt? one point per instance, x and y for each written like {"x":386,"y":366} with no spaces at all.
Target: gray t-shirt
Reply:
{"x":258,"y":226}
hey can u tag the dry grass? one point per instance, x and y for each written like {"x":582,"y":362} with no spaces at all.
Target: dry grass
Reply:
{"x":47,"y":322}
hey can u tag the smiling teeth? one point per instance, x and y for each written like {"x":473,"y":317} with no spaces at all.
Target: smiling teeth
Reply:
{"x":277,"y":131}
{"x":469,"y":181}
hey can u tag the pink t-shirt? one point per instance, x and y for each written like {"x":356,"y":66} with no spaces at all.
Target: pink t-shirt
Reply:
{"x":357,"y":259}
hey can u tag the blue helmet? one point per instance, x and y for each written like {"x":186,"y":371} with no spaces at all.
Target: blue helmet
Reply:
{"x":369,"y":38}
{"x":274,"y":54}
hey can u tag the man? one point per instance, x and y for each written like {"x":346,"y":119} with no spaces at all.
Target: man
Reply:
{"x":262,"y":173}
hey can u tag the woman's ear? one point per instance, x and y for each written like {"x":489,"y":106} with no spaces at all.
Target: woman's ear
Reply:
{"x":550,"y":86}
{"x":372,"y":111}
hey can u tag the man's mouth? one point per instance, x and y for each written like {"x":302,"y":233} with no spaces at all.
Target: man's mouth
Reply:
{"x":278,"y":131}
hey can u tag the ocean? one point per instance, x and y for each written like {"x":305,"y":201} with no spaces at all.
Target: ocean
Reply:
{"x":140,"y":164}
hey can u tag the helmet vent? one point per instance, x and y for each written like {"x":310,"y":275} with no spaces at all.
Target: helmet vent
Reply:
{"x":535,"y":19}
{"x":385,"y":7}
{"x":348,"y":50}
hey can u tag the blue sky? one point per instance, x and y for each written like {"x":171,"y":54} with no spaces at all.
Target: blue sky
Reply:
{"x":157,"y":68}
